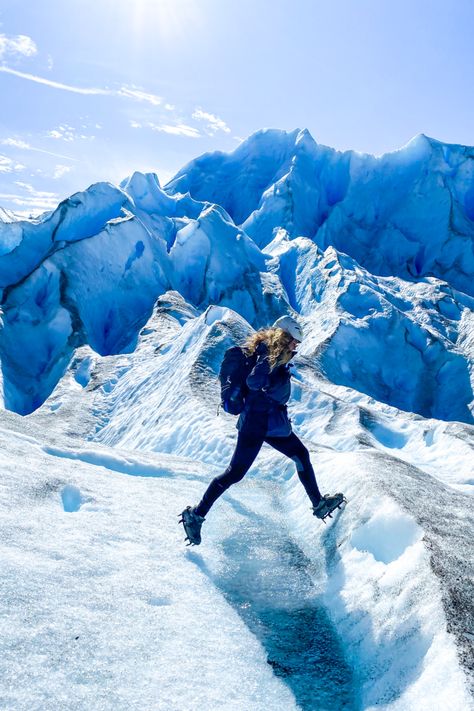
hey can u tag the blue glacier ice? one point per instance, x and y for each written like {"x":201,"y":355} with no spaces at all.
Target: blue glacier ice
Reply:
{"x":376,"y":253}
{"x":409,"y":213}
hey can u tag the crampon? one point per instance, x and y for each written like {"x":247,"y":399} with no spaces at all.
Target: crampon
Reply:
{"x":327,"y":505}
{"x":192,"y":523}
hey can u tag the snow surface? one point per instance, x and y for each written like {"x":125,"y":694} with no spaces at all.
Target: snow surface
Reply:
{"x":116,"y":310}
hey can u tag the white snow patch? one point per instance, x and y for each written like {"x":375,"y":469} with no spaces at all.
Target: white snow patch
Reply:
{"x":387,"y":534}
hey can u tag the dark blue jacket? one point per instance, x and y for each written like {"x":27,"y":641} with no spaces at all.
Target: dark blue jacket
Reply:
{"x":265,"y":411}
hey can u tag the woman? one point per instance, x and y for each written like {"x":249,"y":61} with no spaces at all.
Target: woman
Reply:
{"x":265,"y":419}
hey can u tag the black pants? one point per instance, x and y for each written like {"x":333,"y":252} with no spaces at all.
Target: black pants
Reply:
{"x":248,"y":446}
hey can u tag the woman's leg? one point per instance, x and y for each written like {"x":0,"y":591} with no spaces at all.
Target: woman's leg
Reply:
{"x":248,"y":446}
{"x":294,"y":448}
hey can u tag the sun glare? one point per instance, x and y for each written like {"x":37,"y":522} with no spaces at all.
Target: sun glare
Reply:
{"x":169,"y":19}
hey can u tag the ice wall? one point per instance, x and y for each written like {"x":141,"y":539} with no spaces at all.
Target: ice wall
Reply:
{"x":375,"y":253}
{"x":409,"y":213}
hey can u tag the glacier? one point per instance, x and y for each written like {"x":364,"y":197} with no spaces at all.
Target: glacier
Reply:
{"x":408,"y":213}
{"x":116,"y":309}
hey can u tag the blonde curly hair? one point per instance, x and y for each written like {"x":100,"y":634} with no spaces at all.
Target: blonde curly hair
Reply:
{"x":277,"y":341}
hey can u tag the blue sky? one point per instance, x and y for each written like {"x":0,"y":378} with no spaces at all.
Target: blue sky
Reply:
{"x":95,"y":89}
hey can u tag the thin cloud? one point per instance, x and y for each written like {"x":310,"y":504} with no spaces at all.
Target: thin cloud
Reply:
{"x":42,"y":194}
{"x":7,"y":165}
{"x":138,"y":95}
{"x":35,"y":201}
{"x":67,"y":133}
{"x":23,"y":145}
{"x":124,"y":92}
{"x":179,"y":129}
{"x":61,"y":170}
{"x":35,"y":206}
{"x":88,"y":91}
{"x":16,"y":143}
{"x":213,"y":123}
{"x":56,"y":134}
{"x":17,"y":44}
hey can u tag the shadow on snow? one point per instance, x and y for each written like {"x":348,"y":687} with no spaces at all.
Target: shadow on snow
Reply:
{"x":266,"y":579}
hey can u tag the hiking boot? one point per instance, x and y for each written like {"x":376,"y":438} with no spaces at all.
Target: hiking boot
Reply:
{"x":327,"y":505}
{"x":192,"y":523}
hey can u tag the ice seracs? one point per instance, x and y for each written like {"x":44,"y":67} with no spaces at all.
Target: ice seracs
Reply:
{"x":408,"y":213}
{"x":405,"y":215}
{"x":101,"y":289}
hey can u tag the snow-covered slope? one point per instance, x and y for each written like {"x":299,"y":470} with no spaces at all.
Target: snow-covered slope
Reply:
{"x":373,"y":610}
{"x":116,"y":310}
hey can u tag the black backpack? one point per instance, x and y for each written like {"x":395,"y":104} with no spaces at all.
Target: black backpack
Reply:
{"x":235,"y":368}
